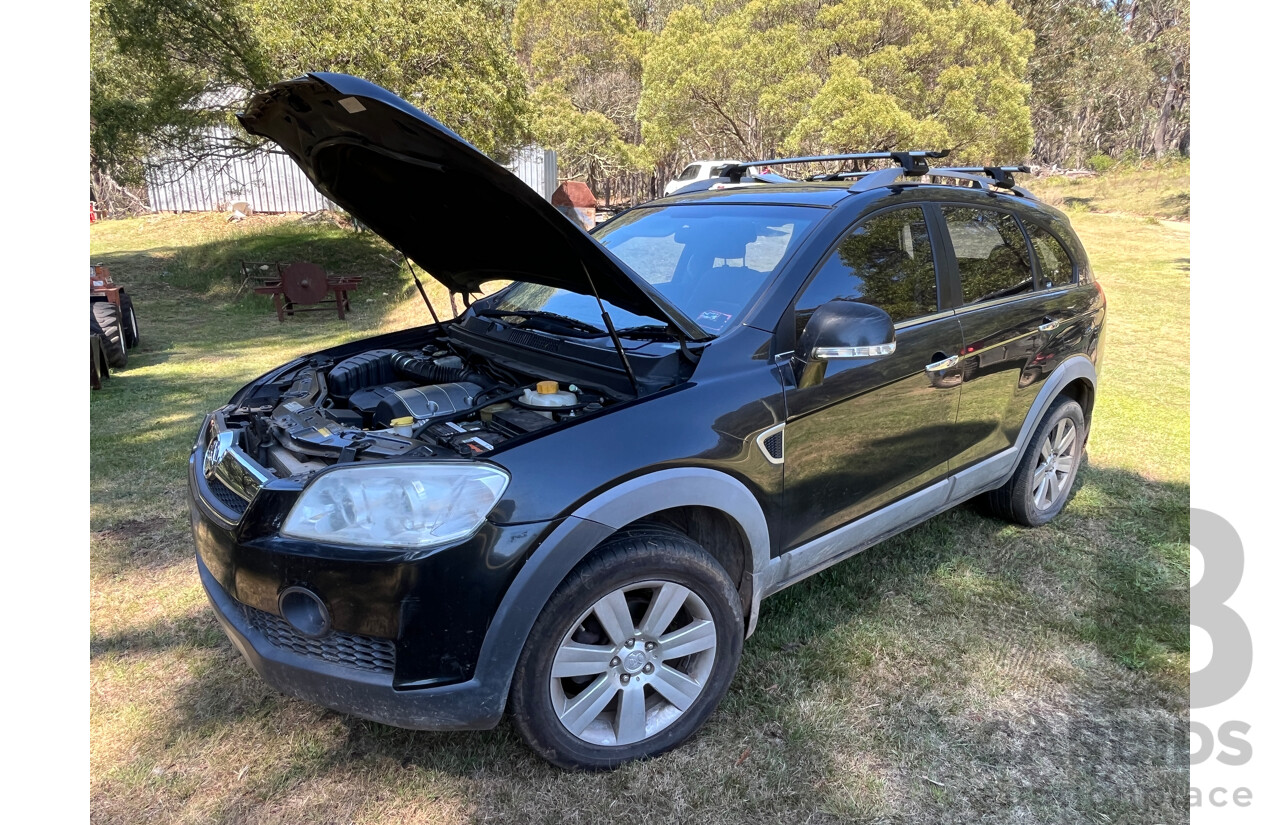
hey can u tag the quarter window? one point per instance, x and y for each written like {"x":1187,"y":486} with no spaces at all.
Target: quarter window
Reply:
{"x":991,"y":253}
{"x":1056,"y":268}
{"x":886,"y":261}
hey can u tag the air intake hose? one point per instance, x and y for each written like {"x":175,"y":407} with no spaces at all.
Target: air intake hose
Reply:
{"x":420,"y":368}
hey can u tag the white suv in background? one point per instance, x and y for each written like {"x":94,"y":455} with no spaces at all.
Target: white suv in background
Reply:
{"x":698,"y":170}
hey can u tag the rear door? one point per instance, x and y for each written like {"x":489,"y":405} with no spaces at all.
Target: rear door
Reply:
{"x":863,"y":432}
{"x":1010,"y":310}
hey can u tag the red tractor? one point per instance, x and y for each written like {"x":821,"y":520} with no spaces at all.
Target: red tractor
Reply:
{"x":113,"y":326}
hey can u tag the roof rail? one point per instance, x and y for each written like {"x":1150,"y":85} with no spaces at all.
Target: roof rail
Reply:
{"x":1002,"y":176}
{"x":999,"y":176}
{"x":913,"y":163}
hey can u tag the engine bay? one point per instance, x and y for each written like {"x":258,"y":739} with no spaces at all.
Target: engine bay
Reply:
{"x":396,"y":403}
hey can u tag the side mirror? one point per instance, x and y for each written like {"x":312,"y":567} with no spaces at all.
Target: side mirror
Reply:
{"x":847,"y":329}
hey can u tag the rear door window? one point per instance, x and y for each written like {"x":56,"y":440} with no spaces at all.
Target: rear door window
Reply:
{"x":991,"y":253}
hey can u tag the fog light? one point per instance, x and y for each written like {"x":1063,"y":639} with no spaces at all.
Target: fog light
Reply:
{"x":304,"y":612}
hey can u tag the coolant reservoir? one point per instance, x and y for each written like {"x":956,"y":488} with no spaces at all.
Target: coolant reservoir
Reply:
{"x":548,"y":394}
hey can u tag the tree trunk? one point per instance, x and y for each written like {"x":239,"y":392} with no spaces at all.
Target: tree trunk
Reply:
{"x":1159,"y":139}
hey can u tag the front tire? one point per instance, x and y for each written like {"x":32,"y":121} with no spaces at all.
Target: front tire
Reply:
{"x":631,"y":654}
{"x":1042,"y":483}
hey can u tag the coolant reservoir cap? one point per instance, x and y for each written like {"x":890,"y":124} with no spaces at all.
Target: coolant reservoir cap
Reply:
{"x":548,"y":388}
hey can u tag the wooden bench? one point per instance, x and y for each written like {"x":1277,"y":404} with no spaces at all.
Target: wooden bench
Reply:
{"x":301,"y":287}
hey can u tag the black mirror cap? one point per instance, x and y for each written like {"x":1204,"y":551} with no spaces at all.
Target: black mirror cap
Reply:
{"x":847,"y":329}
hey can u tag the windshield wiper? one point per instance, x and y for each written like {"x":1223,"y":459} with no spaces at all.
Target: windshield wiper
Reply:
{"x":564,"y":320}
{"x":649,"y":331}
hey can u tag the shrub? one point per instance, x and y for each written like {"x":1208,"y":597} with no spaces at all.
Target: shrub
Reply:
{"x":1100,"y":163}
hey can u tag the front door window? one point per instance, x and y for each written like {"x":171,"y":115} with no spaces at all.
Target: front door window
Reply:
{"x":886,"y":261}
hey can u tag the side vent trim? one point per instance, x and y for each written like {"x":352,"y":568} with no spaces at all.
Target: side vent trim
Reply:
{"x":771,"y":442}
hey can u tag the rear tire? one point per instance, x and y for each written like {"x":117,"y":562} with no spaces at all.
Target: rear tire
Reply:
{"x":1042,"y":483}
{"x":130,"y":319}
{"x":599,"y":683}
{"x":107,"y":316}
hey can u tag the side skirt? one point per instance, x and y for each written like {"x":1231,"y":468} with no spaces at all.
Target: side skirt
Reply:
{"x":853,"y":538}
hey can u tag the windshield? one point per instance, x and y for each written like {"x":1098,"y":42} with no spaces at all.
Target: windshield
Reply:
{"x":709,"y":260}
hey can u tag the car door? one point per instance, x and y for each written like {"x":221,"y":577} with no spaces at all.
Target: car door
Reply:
{"x":863,"y":432}
{"x":1009,"y":313}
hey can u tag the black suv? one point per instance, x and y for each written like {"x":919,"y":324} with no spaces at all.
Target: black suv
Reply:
{"x":569,"y":502}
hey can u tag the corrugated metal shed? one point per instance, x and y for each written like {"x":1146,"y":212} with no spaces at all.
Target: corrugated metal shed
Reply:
{"x":537,"y":167}
{"x":268,"y":180}
{"x":271,"y":182}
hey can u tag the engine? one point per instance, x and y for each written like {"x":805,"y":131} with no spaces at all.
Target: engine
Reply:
{"x":389,"y":403}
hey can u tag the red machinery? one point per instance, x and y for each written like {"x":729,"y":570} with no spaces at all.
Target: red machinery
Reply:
{"x":113,"y":325}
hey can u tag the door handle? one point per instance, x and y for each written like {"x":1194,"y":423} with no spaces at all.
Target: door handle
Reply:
{"x":944,"y":364}
{"x":1050,"y":324}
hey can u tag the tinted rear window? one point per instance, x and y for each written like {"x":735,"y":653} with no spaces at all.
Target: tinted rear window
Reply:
{"x":991,"y":253}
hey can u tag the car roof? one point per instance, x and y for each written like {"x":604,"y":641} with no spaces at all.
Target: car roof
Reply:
{"x":827,"y":194}
{"x":815,"y":193}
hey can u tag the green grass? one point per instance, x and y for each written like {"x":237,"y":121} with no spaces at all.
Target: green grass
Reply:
{"x":965,"y":670}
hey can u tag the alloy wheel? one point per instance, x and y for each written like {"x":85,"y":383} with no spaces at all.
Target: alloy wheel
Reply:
{"x":1055,"y":464}
{"x":633,"y":663}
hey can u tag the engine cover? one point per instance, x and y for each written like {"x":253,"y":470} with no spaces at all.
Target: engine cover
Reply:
{"x":426,"y":403}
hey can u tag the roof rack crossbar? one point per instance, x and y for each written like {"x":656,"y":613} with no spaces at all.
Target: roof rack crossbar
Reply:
{"x":909,"y":164}
{"x":1001,"y":175}
{"x":912,"y":163}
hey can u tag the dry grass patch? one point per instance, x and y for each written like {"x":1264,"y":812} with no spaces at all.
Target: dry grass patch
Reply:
{"x":1157,"y":191}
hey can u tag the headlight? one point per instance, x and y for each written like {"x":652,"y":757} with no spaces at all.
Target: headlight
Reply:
{"x":396,"y":505}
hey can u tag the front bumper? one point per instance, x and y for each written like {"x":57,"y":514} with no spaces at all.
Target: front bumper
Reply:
{"x":468,"y":705}
{"x":404,"y":629}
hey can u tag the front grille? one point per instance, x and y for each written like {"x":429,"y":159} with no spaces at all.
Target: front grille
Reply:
{"x":227,"y":498}
{"x":363,"y":652}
